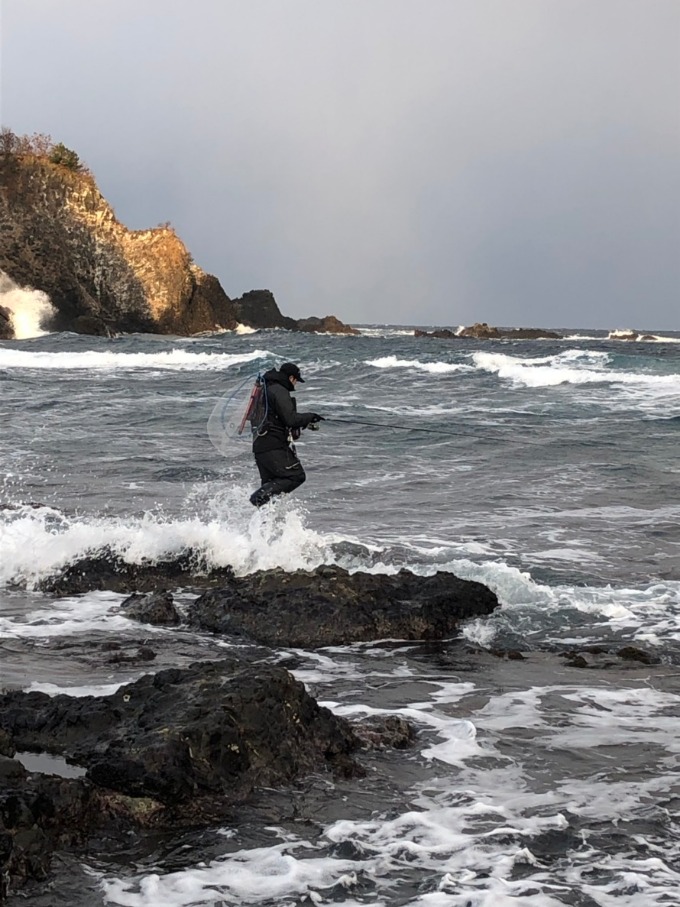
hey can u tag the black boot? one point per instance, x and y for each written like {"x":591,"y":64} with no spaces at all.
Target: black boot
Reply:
{"x":263,"y":494}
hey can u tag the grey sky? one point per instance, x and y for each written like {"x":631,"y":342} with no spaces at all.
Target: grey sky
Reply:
{"x":407,"y":161}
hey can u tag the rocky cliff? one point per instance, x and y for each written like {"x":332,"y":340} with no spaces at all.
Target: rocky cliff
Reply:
{"x":60,"y":236}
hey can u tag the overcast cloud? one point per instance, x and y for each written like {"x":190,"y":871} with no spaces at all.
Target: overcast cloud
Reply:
{"x":406,"y":161}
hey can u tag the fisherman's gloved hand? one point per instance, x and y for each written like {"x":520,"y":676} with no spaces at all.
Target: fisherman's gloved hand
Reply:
{"x":315,"y":417}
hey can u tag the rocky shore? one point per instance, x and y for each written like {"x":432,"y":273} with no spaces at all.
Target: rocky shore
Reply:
{"x":61,"y":237}
{"x":182,"y":745}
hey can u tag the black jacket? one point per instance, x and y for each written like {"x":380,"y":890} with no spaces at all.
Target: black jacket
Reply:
{"x":282,"y":414}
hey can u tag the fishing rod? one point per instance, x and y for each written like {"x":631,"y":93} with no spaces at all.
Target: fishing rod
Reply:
{"x":435,"y":431}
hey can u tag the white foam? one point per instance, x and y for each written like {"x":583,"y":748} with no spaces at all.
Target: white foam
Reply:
{"x":110,"y":360}
{"x":34,"y":546}
{"x":100,"y":689}
{"x":29,"y":309}
{"x":569,"y":367}
{"x":435,"y":368}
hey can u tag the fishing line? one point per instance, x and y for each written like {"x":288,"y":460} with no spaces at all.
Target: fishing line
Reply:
{"x":435,"y":431}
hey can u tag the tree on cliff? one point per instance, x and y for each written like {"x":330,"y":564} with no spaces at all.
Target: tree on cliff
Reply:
{"x":41,"y":146}
{"x":65,"y":157}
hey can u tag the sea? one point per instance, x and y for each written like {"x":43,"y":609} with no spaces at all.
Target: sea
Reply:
{"x":546,"y":469}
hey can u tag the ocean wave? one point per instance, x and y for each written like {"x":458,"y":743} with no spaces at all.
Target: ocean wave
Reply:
{"x":575,"y":367}
{"x":38,"y":542}
{"x":432,"y":367}
{"x":107,"y":360}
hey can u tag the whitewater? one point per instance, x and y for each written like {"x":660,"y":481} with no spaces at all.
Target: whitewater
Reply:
{"x":549,"y":472}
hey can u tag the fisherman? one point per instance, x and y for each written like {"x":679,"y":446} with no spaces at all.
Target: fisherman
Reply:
{"x":280,"y":470}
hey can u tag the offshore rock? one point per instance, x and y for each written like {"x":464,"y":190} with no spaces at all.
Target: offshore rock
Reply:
{"x":180,"y":747}
{"x":482,"y":331}
{"x":327,"y":325}
{"x":329,"y":606}
{"x":630,"y":335}
{"x":258,"y":309}
{"x":440,"y":334}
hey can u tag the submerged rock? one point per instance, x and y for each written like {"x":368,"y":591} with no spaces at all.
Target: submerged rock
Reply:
{"x":329,"y":606}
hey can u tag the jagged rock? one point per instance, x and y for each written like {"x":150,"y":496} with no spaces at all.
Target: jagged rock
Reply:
{"x":329,"y":606}
{"x":480,"y":331}
{"x":258,"y":309}
{"x":152,"y":608}
{"x":180,"y":748}
{"x":187,"y":738}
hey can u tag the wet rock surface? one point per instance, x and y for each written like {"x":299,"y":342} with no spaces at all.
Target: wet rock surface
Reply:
{"x":180,"y":746}
{"x":329,"y":606}
{"x":108,"y":571}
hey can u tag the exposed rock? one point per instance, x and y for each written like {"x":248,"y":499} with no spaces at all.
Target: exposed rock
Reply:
{"x":178,"y":748}
{"x":258,"y":309}
{"x":442,"y":334}
{"x":380,"y":732}
{"x":152,"y":608}
{"x":629,"y":335}
{"x":482,"y":331}
{"x":623,"y":335}
{"x":327,"y":325}
{"x":108,"y":571}
{"x":191,"y":738}
{"x":329,"y":606}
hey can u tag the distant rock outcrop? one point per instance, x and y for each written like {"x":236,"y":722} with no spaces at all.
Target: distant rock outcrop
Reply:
{"x":630,"y":335}
{"x":60,"y":236}
{"x":328,"y":325}
{"x":482,"y":331}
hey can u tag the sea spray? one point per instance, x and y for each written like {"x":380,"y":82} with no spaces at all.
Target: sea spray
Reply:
{"x":30,"y":310}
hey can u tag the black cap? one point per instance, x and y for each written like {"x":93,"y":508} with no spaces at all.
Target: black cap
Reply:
{"x":292,"y":370}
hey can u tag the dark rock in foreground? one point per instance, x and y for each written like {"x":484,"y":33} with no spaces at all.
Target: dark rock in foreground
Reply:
{"x":175,"y":748}
{"x":329,"y":606}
